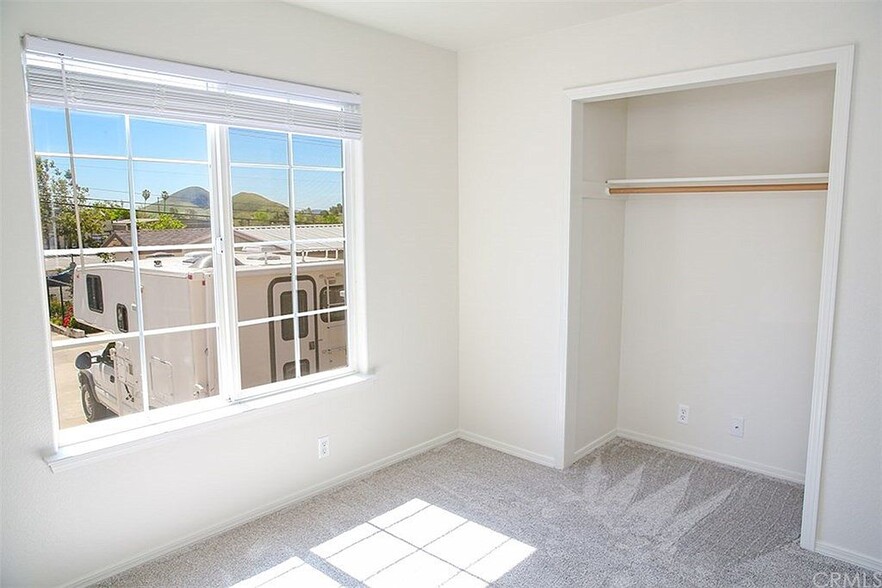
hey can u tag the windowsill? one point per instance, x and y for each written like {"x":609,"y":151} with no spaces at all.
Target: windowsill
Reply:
{"x":75,"y":454}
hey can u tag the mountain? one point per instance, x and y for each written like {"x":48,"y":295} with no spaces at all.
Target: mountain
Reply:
{"x":251,"y":202}
{"x":191,"y":204}
{"x":192,"y":196}
{"x":197,"y":197}
{"x":186,"y":198}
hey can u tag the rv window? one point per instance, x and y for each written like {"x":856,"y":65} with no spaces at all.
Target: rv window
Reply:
{"x":289,"y":371}
{"x":329,"y":298}
{"x":107,"y":354}
{"x":286,"y":307}
{"x":94,"y":293}
{"x":122,"y":318}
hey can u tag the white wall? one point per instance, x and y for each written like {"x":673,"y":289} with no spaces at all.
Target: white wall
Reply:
{"x":600,"y":327}
{"x":720,"y":313}
{"x":777,"y":126}
{"x":721,"y":291}
{"x":63,"y":526}
{"x":514,"y":165}
{"x":600,"y":153}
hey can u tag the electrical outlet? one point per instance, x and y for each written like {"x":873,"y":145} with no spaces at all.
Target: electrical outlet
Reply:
{"x":736,"y":427}
{"x":324,"y":446}
{"x":683,"y":414}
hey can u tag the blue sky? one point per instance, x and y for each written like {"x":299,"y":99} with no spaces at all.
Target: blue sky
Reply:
{"x":104,"y":134}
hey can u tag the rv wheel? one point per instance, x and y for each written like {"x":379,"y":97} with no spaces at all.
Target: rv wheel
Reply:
{"x":94,"y":410}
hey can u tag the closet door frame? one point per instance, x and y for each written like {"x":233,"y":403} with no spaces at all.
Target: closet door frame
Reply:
{"x":837,"y":59}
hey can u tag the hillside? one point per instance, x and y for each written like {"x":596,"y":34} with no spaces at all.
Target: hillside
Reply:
{"x":192,"y":196}
{"x":251,"y":202}
{"x":195,"y":197}
{"x":186,"y":199}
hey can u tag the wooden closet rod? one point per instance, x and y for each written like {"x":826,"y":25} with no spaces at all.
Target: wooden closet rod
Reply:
{"x":723,"y":188}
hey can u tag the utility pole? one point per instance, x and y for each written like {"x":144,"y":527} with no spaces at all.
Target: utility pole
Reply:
{"x":73,"y":168}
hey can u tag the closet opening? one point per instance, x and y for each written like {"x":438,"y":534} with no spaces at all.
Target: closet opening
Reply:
{"x":704,"y":217}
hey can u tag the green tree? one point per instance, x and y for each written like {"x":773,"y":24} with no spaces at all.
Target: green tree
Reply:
{"x":165,"y":221}
{"x":58,"y":205}
{"x":113,"y":212}
{"x":261,"y":217}
{"x":164,"y":196}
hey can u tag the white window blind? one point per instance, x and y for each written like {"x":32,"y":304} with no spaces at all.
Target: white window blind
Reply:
{"x":81,"y":77}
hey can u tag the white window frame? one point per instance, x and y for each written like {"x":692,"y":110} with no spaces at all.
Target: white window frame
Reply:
{"x":352,"y":213}
{"x":93,"y":440}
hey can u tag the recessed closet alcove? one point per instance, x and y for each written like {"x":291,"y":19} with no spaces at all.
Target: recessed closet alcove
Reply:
{"x":698,"y":225}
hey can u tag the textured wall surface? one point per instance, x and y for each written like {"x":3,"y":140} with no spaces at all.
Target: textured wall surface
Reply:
{"x":63,"y":526}
{"x":514,"y":152}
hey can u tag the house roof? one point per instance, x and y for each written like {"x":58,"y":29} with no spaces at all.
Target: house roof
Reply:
{"x":163,"y":237}
{"x":309,"y":237}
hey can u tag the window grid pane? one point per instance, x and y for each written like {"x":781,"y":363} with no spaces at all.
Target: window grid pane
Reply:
{"x":314,"y":191}
{"x":113,"y":258}
{"x":158,"y":171}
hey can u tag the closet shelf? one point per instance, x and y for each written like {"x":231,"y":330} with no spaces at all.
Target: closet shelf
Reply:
{"x":766,"y":183}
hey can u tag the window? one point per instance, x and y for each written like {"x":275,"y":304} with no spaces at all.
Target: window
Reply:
{"x":107,"y":355}
{"x":332,"y":297}
{"x":122,"y":318}
{"x":195,"y":202}
{"x":94,"y":293}
{"x":290,"y":368}
{"x":288,"y":308}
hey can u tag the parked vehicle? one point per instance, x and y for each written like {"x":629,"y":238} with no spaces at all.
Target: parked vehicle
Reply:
{"x":176,"y":291}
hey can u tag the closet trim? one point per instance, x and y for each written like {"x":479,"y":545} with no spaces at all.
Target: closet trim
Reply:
{"x":837,"y":59}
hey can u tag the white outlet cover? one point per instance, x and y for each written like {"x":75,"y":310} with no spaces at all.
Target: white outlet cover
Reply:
{"x":683,"y":414}
{"x":324,"y":447}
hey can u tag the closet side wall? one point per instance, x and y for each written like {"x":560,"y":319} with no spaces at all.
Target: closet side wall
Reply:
{"x":604,"y":132}
{"x":601,"y":320}
{"x":720,"y":295}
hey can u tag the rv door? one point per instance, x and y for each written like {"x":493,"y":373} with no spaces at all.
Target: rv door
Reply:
{"x":282,"y":333}
{"x":106,"y":380}
{"x":128,"y":385}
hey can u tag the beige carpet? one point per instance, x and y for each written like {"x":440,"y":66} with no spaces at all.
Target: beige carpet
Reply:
{"x":463,"y":515}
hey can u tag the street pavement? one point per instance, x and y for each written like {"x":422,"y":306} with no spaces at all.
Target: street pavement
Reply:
{"x":67,"y":387}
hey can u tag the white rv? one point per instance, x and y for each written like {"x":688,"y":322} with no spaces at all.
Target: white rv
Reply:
{"x":177,"y":290}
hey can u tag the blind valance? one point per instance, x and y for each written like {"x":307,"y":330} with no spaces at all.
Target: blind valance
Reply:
{"x":93,"y":79}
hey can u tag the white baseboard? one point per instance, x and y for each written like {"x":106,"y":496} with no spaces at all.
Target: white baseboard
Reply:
{"x":737,"y":462}
{"x":261,"y":511}
{"x":849,"y":556}
{"x":545,"y":460}
{"x":580,"y":453}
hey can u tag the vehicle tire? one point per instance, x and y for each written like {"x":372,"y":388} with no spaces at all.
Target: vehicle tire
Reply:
{"x":92,"y":408}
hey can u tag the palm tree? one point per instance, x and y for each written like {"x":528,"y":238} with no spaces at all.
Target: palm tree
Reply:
{"x":164,"y":197}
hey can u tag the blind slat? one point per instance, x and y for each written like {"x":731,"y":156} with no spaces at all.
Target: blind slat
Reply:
{"x":116,"y":88}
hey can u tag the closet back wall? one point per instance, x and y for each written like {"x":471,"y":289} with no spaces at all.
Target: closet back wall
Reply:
{"x":774,"y":126}
{"x":720,"y":304}
{"x":720,"y":292}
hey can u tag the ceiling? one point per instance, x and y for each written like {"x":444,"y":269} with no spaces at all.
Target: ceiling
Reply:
{"x":459,"y":25}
